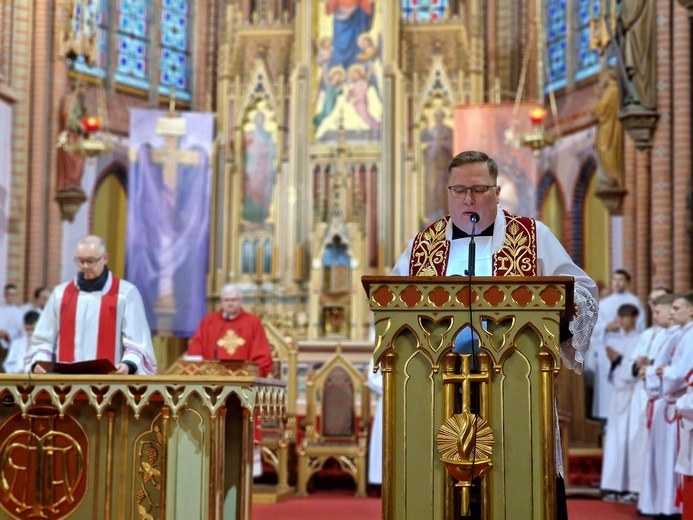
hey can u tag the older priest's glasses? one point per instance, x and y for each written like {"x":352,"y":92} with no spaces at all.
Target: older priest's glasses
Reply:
{"x":88,"y":262}
{"x":460,"y":192}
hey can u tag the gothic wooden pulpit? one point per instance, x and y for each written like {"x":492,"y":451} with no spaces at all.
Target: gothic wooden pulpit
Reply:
{"x":146,"y":447}
{"x":459,"y":434}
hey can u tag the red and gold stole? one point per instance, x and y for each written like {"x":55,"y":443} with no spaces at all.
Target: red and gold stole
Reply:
{"x":518,"y":256}
{"x":107,"y":323}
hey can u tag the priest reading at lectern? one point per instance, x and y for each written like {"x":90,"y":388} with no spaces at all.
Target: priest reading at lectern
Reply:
{"x":501,"y":245}
{"x":231,"y":333}
{"x":94,"y":316}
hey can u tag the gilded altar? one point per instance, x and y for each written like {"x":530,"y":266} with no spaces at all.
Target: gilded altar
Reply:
{"x":131,"y":447}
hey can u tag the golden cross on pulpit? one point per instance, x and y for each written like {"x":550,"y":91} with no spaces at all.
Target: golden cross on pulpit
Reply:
{"x":230,"y":342}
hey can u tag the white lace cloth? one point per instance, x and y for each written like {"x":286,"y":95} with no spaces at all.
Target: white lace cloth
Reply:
{"x":573,"y":350}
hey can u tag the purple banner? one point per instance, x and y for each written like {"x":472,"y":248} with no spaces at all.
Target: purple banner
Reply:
{"x":167,"y":240}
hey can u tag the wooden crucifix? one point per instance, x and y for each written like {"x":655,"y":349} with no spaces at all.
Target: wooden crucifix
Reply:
{"x":172,"y":128}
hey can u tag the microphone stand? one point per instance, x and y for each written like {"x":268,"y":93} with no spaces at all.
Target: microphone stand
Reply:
{"x":471,"y":260}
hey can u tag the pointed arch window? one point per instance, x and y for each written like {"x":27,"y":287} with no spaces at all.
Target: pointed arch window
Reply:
{"x":424,"y":10}
{"x":586,"y":59}
{"x":174,"y":55}
{"x":570,"y":58}
{"x":142,"y":45}
{"x":556,"y":42}
{"x":132,"y":67}
{"x":90,"y":20}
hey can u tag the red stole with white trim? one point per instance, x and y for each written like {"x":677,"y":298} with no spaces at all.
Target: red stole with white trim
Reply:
{"x":106,"y":340}
{"x":518,"y":256}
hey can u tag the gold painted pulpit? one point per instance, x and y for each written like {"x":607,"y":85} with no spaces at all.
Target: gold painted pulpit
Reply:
{"x":448,"y":424}
{"x":110,"y":447}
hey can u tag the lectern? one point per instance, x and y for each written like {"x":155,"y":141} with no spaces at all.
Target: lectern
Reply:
{"x":447,"y":426}
{"x":107,"y":447}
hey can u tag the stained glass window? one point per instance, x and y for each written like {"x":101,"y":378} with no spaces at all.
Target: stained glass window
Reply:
{"x":556,"y":44}
{"x":586,"y":60}
{"x":174,"y":53}
{"x":423,"y":10}
{"x":132,"y":67}
{"x":91,"y":20}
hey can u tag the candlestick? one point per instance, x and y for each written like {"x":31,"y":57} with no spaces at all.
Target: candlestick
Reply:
{"x":258,"y":262}
{"x":299,"y":261}
{"x":275,"y":261}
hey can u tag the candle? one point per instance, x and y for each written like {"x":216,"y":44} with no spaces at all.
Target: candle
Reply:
{"x":275,"y":261}
{"x":299,"y":261}
{"x":258,"y":262}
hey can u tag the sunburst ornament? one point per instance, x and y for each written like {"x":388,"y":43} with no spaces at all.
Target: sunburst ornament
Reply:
{"x":466,"y":438}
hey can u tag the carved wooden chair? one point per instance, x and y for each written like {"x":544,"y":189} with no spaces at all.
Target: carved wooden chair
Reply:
{"x":337,"y":423}
{"x":278,"y":437}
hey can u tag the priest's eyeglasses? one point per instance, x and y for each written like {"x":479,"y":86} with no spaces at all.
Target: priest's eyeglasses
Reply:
{"x":88,"y":262}
{"x":460,"y":192}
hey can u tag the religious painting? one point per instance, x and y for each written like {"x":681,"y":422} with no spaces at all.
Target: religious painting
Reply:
{"x":347,"y":70}
{"x":436,"y":138}
{"x":167,"y":239}
{"x":492,"y":129}
{"x":259,"y":168}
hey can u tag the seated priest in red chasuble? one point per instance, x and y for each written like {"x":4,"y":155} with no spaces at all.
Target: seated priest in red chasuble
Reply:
{"x":94,"y":316}
{"x":231,"y":333}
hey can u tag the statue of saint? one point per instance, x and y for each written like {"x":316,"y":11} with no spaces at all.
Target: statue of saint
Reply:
{"x":608,"y":140}
{"x":70,"y":166}
{"x":637,"y":35}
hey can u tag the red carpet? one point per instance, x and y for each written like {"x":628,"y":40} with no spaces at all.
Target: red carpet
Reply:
{"x":342,"y":505}
{"x":332,"y":505}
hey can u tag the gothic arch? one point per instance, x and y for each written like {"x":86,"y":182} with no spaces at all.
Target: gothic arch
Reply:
{"x":587,"y":170}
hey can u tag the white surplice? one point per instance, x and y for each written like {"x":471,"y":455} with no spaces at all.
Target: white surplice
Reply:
{"x":599,"y":362}
{"x":616,"y":463}
{"x":133,"y":339}
{"x":684,"y":405}
{"x":375,"y":447}
{"x":660,"y":482}
{"x":12,"y":322}
{"x":648,"y":344}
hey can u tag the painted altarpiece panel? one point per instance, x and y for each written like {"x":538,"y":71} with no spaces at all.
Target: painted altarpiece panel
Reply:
{"x":347,"y":70}
{"x":259,"y":168}
{"x":436,"y":150}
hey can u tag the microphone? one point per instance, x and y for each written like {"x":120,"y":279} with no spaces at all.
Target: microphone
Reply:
{"x":471,"y":261}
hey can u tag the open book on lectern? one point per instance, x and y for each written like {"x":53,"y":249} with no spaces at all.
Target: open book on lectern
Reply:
{"x":92,"y":367}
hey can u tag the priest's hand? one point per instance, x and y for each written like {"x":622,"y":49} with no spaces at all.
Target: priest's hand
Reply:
{"x":121,"y":369}
{"x":38,"y":369}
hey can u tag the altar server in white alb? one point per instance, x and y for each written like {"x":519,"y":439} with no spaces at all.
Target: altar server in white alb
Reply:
{"x":616,"y":465}
{"x":659,"y":495}
{"x":94,"y":316}
{"x":684,"y":461}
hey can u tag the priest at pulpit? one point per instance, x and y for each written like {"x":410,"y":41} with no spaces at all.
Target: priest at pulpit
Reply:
{"x":231,"y":333}
{"x":96,"y":315}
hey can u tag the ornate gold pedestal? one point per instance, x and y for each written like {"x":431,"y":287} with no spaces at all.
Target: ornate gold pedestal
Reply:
{"x":130,"y":447}
{"x":431,"y":423}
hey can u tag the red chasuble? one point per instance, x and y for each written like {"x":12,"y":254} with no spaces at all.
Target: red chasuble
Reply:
{"x":239,"y":338}
{"x":518,"y":256}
